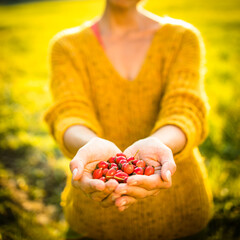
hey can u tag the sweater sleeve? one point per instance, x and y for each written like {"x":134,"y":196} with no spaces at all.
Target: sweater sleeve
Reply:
{"x":72,"y":103}
{"x":184,"y":103}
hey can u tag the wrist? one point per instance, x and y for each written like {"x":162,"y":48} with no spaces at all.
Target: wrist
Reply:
{"x":171,"y":136}
{"x":76,"y":137}
{"x":159,"y":140}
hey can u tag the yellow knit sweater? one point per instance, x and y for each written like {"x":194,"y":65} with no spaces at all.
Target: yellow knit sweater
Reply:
{"x":169,"y":89}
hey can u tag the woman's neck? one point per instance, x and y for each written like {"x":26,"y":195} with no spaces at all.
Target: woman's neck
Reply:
{"x":120,"y":20}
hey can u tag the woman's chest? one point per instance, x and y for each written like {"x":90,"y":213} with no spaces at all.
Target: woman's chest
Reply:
{"x":115,"y":96}
{"x":127,"y":55}
{"x":126,"y":109}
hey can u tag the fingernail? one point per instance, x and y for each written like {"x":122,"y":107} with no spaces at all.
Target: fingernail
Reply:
{"x":123,"y":203}
{"x":133,"y":183}
{"x":168,"y":175}
{"x":121,"y":209}
{"x":74,"y":173}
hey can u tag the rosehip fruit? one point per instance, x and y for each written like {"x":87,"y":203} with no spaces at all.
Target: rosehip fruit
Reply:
{"x":138,"y":170}
{"x":123,"y":161}
{"x":128,"y":168}
{"x":111,"y":159}
{"x":118,"y":159}
{"x":140,"y":163}
{"x":135,"y":161}
{"x":121,"y":154}
{"x":149,"y":170}
{"x":102,"y":164}
{"x":110,"y":165}
{"x":120,"y":176}
{"x":110,"y":173}
{"x":130,"y":159}
{"x":104,"y":171}
{"x":102,"y":178}
{"x":97,"y":173}
{"x":122,"y":166}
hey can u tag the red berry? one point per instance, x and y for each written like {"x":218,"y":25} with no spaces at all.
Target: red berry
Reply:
{"x":110,"y":165}
{"x":130,"y":159}
{"x":104,"y":171}
{"x":122,"y":166}
{"x":140,"y":163}
{"x":120,"y":176}
{"x":119,"y":171}
{"x":121,"y":154}
{"x":125,"y":179}
{"x":128,"y":168}
{"x":112,"y":159}
{"x":102,"y":164}
{"x":110,"y":173}
{"x":138,"y":170}
{"x":149,"y":170}
{"x":122,"y":161}
{"x":135,"y":161}
{"x":102,"y":178}
{"x":118,"y":159}
{"x":97,"y":173}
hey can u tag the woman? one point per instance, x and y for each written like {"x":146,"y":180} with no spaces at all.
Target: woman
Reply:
{"x":131,"y":81}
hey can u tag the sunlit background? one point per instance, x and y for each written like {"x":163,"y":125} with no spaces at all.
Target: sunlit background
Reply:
{"x":32,"y":169}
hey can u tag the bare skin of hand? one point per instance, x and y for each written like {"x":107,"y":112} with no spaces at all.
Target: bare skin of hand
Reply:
{"x":156,"y":154}
{"x":83,"y":164}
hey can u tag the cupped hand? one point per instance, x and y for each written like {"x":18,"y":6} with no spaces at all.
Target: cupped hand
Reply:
{"x":156,"y":154}
{"x":84,"y":163}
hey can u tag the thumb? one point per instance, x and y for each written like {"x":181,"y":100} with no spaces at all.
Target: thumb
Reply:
{"x":129,"y":152}
{"x":77,"y":165}
{"x":168,"y":169}
{"x":76,"y":168}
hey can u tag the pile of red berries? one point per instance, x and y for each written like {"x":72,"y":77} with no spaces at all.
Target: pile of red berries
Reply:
{"x":120,"y":168}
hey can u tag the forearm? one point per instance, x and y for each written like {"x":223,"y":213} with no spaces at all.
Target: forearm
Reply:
{"x":171,"y":136}
{"x":76,"y":137}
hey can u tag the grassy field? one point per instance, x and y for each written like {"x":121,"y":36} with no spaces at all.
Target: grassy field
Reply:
{"x":32,"y":173}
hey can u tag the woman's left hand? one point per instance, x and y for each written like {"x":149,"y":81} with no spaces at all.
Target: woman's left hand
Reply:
{"x":156,"y":154}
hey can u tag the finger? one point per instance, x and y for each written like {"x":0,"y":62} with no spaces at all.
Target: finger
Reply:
{"x":129,"y":152}
{"x":148,"y":182}
{"x":111,"y":185}
{"x":121,"y":209}
{"x":99,"y":196}
{"x":168,"y":166}
{"x":78,"y":163}
{"x":134,"y":191}
{"x":89,"y":185}
{"x":123,"y":202}
{"x":109,"y":188}
{"x":109,"y":200}
{"x":156,"y":192}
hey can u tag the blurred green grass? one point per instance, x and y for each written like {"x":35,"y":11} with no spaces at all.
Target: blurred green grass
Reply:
{"x":32,"y":170}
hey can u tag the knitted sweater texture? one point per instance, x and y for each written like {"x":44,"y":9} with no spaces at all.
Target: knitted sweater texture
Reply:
{"x":168,"y":89}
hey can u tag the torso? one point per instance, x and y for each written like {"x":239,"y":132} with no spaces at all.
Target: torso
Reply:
{"x":127,"y":111}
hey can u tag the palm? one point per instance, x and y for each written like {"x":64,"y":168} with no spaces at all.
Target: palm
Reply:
{"x":145,"y":152}
{"x":97,"y":153}
{"x":90,"y":167}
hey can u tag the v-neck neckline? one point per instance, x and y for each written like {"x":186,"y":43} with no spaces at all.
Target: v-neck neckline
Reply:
{"x":143,"y":64}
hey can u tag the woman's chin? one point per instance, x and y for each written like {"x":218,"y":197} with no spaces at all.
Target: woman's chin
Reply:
{"x":123,"y":4}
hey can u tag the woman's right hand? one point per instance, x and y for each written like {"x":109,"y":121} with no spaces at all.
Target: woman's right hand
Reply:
{"x":84,"y":163}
